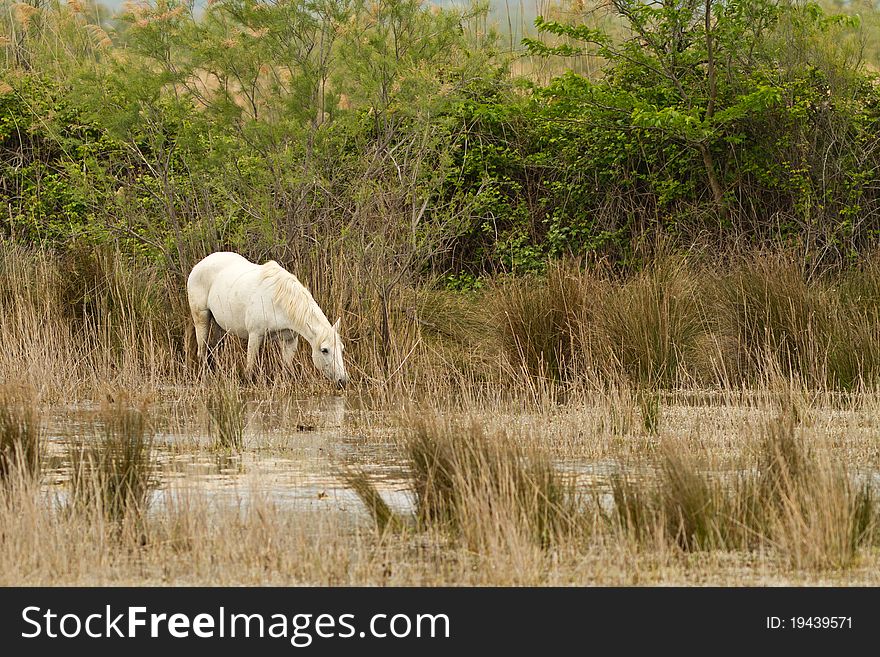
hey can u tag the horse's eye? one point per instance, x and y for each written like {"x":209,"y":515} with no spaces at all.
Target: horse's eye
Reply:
{"x":325,"y":350}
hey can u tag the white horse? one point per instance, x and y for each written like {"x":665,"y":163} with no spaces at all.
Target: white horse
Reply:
{"x":254,"y":301}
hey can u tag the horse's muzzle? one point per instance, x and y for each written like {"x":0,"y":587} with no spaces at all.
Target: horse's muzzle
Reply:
{"x":341,"y":383}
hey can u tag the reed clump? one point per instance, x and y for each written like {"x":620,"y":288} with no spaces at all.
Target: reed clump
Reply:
{"x":20,"y":435}
{"x":813,"y":510}
{"x":114,"y":471}
{"x":647,"y":329}
{"x":486,"y":488}
{"x":786,"y":496}
{"x":820,"y":328}
{"x":544,"y":323}
{"x":649,"y":324}
{"x":679,"y":322}
{"x":778,"y":318}
{"x":227,"y":409}
{"x":382,"y":514}
{"x":674,"y":503}
{"x":72,"y":322}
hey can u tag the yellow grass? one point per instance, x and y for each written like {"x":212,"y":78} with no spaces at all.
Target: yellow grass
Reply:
{"x":563,"y":450}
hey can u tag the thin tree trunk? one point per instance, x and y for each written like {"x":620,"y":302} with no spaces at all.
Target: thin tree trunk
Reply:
{"x":708,"y":160}
{"x":710,"y":56}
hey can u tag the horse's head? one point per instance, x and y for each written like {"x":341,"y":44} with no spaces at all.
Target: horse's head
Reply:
{"x":327,"y":356}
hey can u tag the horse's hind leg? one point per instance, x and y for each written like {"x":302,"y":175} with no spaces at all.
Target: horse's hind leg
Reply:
{"x":202,"y":321}
{"x":215,"y":334}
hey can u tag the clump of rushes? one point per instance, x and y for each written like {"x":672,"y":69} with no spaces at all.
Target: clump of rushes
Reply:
{"x":113,"y":472}
{"x":779,"y":318}
{"x":677,"y":504}
{"x":808,"y":504}
{"x":787,"y":497}
{"x":20,"y":435}
{"x":226,"y":410}
{"x":544,"y":323}
{"x":649,"y":325}
{"x":649,"y":404}
{"x":365,"y":489}
{"x":481,"y":486}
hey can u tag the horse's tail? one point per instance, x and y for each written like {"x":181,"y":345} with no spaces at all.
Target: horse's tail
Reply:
{"x":189,"y":342}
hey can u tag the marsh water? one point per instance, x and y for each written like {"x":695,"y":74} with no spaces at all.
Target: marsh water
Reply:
{"x":291,"y":454}
{"x":294,"y":453}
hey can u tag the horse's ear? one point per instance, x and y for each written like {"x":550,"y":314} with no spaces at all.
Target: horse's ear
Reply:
{"x":336,"y":325}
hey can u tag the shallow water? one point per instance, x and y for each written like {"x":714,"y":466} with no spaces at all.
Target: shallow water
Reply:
{"x":288,"y":460}
{"x":295,"y":451}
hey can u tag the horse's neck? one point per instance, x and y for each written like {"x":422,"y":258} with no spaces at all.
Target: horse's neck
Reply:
{"x":313,"y":325}
{"x":308,"y":321}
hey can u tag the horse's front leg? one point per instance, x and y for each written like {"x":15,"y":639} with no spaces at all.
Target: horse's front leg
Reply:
{"x":253,"y":349}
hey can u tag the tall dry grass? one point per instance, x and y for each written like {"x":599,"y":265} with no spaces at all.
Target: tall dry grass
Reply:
{"x":20,"y":435}
{"x":226,"y":409}
{"x":784,"y":496}
{"x":813,"y":509}
{"x":113,"y":472}
{"x":680,"y":323}
{"x":381,"y":513}
{"x":488,"y":489}
{"x":497,"y":499}
{"x":495,"y":496}
{"x":761,"y":330}
{"x":74,"y":322}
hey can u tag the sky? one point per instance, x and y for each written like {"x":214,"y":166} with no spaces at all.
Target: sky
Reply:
{"x":528,"y":8}
{"x":508,"y":16}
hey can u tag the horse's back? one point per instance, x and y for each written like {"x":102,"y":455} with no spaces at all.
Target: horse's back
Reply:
{"x":207,"y":271}
{"x":214,"y":263}
{"x":239,"y":294}
{"x":228,"y":285}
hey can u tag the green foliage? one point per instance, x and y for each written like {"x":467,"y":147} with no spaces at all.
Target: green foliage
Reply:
{"x":395,"y":129}
{"x":45,"y":144}
{"x":731,"y":111}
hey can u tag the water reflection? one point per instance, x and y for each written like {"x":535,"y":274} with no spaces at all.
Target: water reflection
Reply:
{"x":293,"y":454}
{"x":294,"y":451}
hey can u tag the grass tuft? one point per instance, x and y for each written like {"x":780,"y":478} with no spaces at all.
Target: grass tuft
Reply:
{"x":788,"y":497}
{"x":226,"y":410}
{"x":378,"y":508}
{"x":480,"y":485}
{"x":114,"y":472}
{"x":20,"y":435}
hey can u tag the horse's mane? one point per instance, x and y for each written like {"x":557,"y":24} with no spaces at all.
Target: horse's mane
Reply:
{"x":292,"y":296}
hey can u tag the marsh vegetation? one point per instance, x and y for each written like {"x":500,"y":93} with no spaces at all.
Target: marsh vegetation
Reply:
{"x":575,"y":428}
{"x":611,"y":308}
